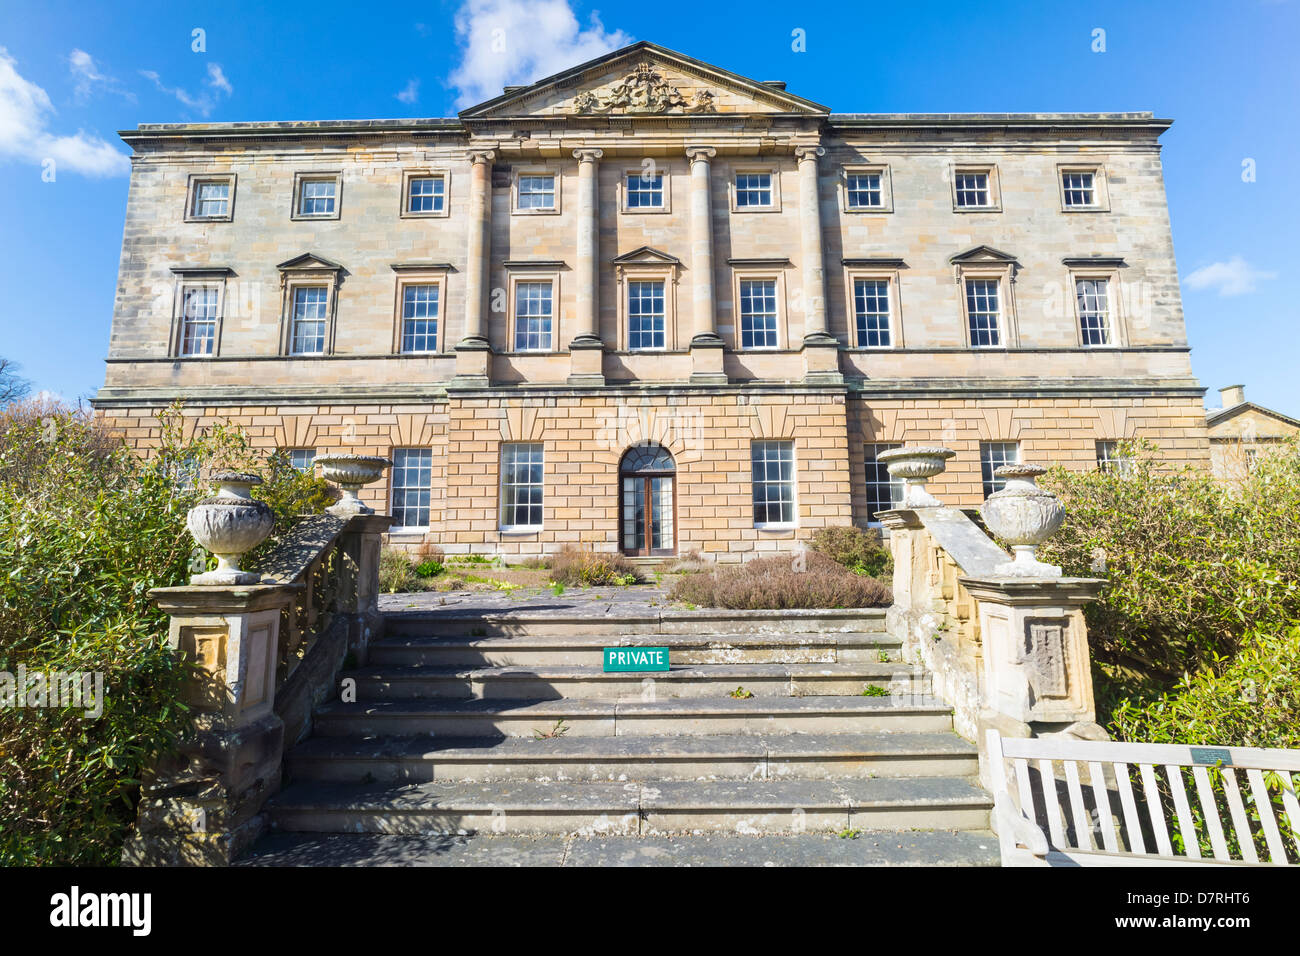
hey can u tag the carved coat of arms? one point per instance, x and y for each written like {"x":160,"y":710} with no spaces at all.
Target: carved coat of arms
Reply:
{"x":644,"y":90}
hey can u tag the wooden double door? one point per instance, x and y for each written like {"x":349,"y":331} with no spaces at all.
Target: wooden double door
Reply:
{"x":648,"y":506}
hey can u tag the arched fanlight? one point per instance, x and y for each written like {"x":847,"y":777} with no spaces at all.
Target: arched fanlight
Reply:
{"x":644,"y":458}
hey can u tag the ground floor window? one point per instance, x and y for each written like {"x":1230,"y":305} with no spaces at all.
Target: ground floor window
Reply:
{"x":993,"y":455}
{"x":303,"y":459}
{"x":1110,"y":459}
{"x":412,"y":486}
{"x":773,"y":477}
{"x":521,"y":486}
{"x":883,"y":490}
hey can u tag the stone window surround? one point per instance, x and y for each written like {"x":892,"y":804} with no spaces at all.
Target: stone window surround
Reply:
{"x":886,"y":188}
{"x":888,"y":270}
{"x":778,"y":527}
{"x":515,"y":530}
{"x":191,"y":195}
{"x":542,"y":272}
{"x":742,"y":169}
{"x":1107,"y":270}
{"x":659,"y":170}
{"x":298,"y":277}
{"x":995,"y":186}
{"x":775,"y":272}
{"x":316,"y":175}
{"x":666,"y":272}
{"x":534,"y":170}
{"x":1008,"y":326}
{"x":405,"y":212}
{"x":420,"y":274}
{"x":1101,"y":189}
{"x":193,"y":277}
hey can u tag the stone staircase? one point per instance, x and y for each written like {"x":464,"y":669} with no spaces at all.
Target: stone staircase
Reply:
{"x":505,"y":724}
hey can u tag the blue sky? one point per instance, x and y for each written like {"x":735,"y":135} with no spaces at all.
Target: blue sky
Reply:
{"x":72,"y":74}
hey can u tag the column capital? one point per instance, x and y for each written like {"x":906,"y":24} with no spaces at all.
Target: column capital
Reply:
{"x":588,"y":154}
{"x":482,"y":154}
{"x":700,"y":153}
{"x":809,"y":152}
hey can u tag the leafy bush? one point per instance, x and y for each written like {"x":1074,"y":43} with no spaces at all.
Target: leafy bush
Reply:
{"x":86,"y":530}
{"x":860,"y":551}
{"x":397,"y":572}
{"x":809,"y":580}
{"x":429,"y":568}
{"x":573,"y":566}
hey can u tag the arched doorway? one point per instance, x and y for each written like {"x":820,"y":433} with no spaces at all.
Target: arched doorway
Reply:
{"x":648,"y":507}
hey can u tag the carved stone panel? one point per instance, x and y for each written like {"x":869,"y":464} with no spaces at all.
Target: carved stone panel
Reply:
{"x":1043,"y":653}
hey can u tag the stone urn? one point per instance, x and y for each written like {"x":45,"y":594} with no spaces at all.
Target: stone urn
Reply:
{"x":351,"y":472}
{"x":1024,"y":516}
{"x":229,"y":524}
{"x":916,"y":466}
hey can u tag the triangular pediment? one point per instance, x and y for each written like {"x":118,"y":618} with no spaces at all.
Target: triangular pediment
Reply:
{"x":308,"y":260}
{"x":646,"y":256}
{"x":983,"y":254}
{"x":643,"y":79}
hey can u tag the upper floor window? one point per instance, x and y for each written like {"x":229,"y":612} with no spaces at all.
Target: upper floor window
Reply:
{"x":302,"y":459}
{"x":758,"y":318}
{"x":646,"y":326}
{"x":1083,"y":188}
{"x":536,"y":191}
{"x":522,"y":486}
{"x":883,"y":490}
{"x":645,"y":191}
{"x":754,"y":190}
{"x":307,"y":335}
{"x":533,"y":315}
{"x":871,"y":312}
{"x":773,"y":482}
{"x":199,"y":320}
{"x":426,"y":194}
{"x":210,"y":198}
{"x":984,"y":312}
{"x":316,"y":195}
{"x":412,"y":486}
{"x":420,"y":318}
{"x":993,"y":455}
{"x":1093,"y":299}
{"x":865,"y":190}
{"x":973,"y":189}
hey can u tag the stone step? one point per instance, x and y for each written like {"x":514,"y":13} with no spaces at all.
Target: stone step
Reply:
{"x":587,"y":649}
{"x":542,"y":682}
{"x":601,"y":618}
{"x":619,"y":759}
{"x":521,"y":807}
{"x":866,"y":848}
{"x":608,"y":718}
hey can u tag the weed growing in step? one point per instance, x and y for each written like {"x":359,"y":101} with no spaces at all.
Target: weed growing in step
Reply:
{"x":741,"y":694}
{"x":559,"y":730}
{"x":871,"y":690}
{"x":850,"y":834}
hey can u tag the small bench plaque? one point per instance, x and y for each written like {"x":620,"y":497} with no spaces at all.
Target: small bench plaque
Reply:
{"x":636,"y":659}
{"x":1212,"y":756}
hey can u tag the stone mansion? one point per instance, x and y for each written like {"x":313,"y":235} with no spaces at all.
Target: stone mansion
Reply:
{"x":651,"y":305}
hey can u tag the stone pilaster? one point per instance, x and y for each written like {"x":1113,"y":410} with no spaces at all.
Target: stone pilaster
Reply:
{"x":706,"y":344}
{"x":473,"y":352}
{"x":586,"y":351}
{"x":821,"y":349}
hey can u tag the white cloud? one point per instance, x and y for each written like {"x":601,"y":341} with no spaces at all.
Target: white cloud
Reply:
{"x":411,"y":94}
{"x":508,"y":42}
{"x":89,"y":79}
{"x":205,"y":101}
{"x":1234,"y":277}
{"x":25,"y":111}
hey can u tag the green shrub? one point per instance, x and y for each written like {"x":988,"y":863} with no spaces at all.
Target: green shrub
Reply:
{"x":573,"y":566}
{"x":858,"y":550}
{"x":429,"y":568}
{"x":397,"y":573}
{"x":808,"y":580}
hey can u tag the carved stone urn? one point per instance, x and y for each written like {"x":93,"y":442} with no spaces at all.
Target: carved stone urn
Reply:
{"x":351,"y":472}
{"x":229,"y":524}
{"x":916,"y":466}
{"x":1024,"y":516}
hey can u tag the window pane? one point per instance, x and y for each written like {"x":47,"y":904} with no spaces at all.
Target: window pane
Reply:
{"x":645,"y":192}
{"x":532,"y":316}
{"x":198,"y":320}
{"x":773,"y":482}
{"x":426,"y":194}
{"x":983,"y":312}
{"x":864,"y":190}
{"x":1079,"y":189}
{"x":309,"y":319}
{"x":753,"y":189}
{"x":884,"y":491}
{"x":645,"y":315}
{"x":212,"y":199}
{"x":317,"y":197}
{"x":871,"y":307}
{"x":420,"y":318}
{"x":1110,"y":459}
{"x":972,"y":189}
{"x":993,"y":455}
{"x":758,"y":314}
{"x":1094,"y":310}
{"x":412,"y":486}
{"x":303,"y":459}
{"x":521,"y":485}
{"x":536,"y":192}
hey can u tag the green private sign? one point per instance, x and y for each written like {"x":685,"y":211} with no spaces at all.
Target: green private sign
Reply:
{"x":636,"y":659}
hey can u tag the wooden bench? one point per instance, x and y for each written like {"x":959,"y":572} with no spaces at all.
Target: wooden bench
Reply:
{"x":1053,"y":818}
